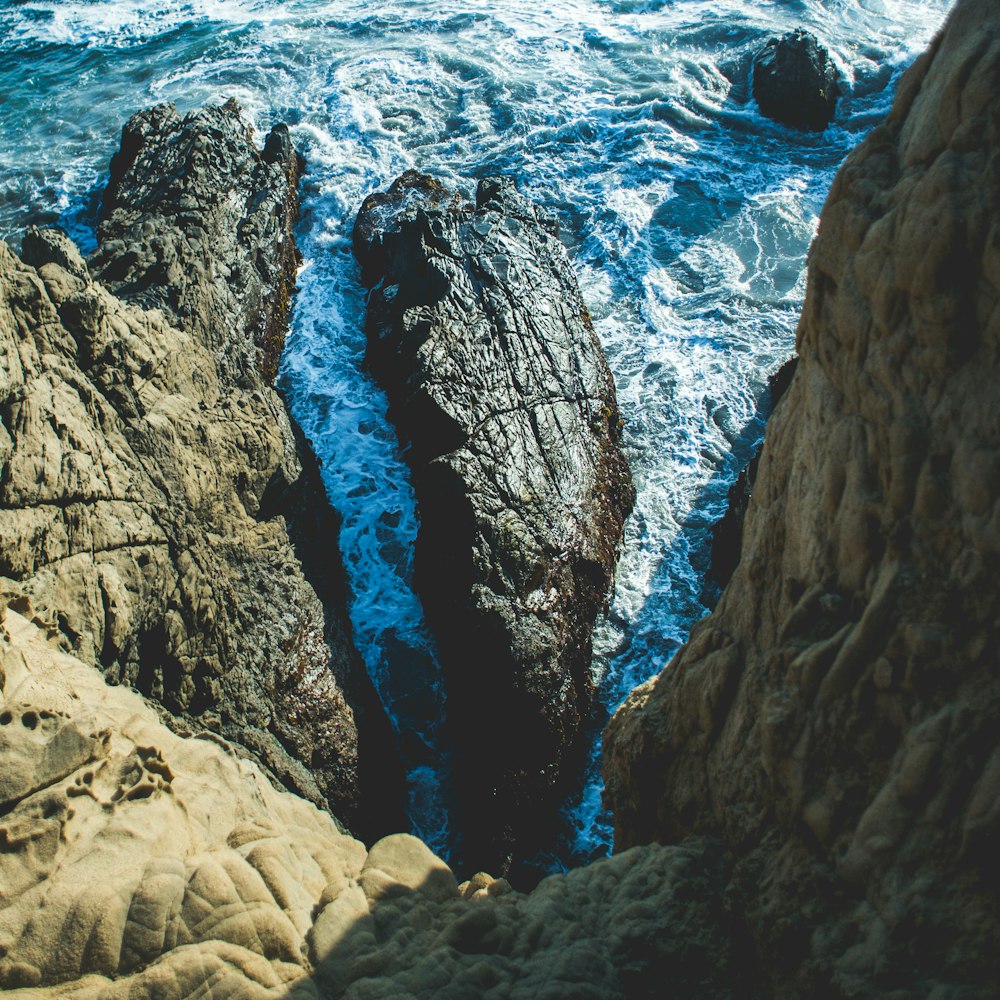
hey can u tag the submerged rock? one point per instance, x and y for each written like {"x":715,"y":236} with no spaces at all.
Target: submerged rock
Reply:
{"x":496,"y":379}
{"x":154,"y":501}
{"x":835,"y":720}
{"x":795,"y":82}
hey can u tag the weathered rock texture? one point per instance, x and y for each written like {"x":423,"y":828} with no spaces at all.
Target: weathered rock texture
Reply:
{"x":197,"y":222}
{"x":496,"y":378}
{"x":835,"y":720}
{"x":795,"y":82}
{"x":151,"y":494}
{"x":136,"y":863}
{"x":727,"y":535}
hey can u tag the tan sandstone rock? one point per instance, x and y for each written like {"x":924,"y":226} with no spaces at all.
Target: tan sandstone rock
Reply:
{"x":136,"y":863}
{"x":835,"y":720}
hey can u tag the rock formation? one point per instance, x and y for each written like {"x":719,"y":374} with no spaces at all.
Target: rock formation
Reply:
{"x":834,"y":722}
{"x":497,"y":381}
{"x":152,"y":497}
{"x":727,"y":534}
{"x":137,"y":863}
{"x":795,"y":82}
{"x":823,"y":752}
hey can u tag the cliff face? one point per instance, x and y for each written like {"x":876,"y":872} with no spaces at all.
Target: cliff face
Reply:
{"x":152,"y":496}
{"x":496,"y":378}
{"x":835,"y":720}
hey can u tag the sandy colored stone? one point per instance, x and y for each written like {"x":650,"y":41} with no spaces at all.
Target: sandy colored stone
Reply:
{"x":136,"y":863}
{"x":155,"y":501}
{"x":834,"y":722}
{"x":132,"y":854}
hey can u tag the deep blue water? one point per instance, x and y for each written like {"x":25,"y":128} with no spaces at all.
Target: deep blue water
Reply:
{"x":687,"y":214}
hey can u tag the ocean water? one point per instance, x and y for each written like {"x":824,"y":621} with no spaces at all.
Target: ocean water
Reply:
{"x":687,"y":214}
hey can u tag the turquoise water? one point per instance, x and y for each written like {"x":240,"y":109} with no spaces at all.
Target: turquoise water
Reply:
{"x":687,"y":214}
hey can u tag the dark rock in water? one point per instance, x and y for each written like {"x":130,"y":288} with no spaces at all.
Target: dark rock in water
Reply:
{"x":727,"y":535}
{"x":496,"y":379}
{"x":156,"y":502}
{"x":795,"y":82}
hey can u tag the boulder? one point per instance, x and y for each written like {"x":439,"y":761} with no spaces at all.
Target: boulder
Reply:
{"x":795,"y":82}
{"x":834,"y":722}
{"x":155,"y":501}
{"x":500,"y":390}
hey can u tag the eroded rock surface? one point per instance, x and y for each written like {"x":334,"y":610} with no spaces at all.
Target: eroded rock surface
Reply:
{"x":727,"y":534}
{"x":198,"y":222}
{"x":152,"y":497}
{"x":496,"y":379}
{"x":135,"y":864}
{"x":835,"y":720}
{"x":795,"y":82}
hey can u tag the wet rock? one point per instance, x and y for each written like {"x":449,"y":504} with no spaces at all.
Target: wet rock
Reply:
{"x":155,"y":503}
{"x":197,"y":222}
{"x":795,"y":82}
{"x":834,"y":720}
{"x":497,"y":383}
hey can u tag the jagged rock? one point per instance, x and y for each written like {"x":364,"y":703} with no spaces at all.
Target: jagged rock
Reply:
{"x":727,"y":535}
{"x":835,"y":720}
{"x":795,"y":82}
{"x":497,"y":381}
{"x":137,"y":864}
{"x":197,"y":222}
{"x":153,"y":501}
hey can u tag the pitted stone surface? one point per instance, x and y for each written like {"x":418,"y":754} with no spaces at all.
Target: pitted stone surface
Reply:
{"x":138,"y":864}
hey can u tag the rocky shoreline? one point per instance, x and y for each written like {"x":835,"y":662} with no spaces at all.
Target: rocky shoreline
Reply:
{"x":833,"y":723}
{"x":805,"y":800}
{"x":155,"y":499}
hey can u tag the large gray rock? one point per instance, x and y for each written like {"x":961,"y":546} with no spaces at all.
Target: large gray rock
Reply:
{"x":198,"y":222}
{"x":834,"y":722}
{"x":497,"y":382}
{"x":153,"y":501}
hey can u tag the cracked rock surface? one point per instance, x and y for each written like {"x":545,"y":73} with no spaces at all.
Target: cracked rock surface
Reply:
{"x":153,"y":496}
{"x":497,"y":381}
{"x":835,"y":720}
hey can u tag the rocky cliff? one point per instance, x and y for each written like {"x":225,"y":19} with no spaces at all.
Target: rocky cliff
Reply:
{"x":153,"y":496}
{"x":823,"y":751}
{"x":497,"y":381}
{"x":136,"y":863}
{"x":834,"y":722}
